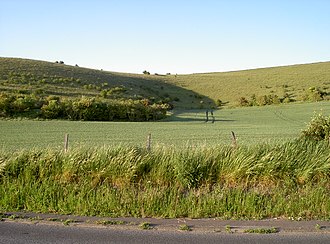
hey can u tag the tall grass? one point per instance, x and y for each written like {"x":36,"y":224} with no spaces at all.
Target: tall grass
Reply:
{"x":287,"y":180}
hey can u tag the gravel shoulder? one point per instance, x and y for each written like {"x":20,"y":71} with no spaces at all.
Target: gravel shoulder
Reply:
{"x":210,"y":225}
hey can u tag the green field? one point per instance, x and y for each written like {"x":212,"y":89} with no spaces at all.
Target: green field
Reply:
{"x":252,"y":125}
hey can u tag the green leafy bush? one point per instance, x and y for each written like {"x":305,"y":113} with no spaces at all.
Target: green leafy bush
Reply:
{"x":5,"y":101}
{"x":314,"y":94}
{"x":53,"y":110}
{"x":84,"y":108}
{"x":15,"y":104}
{"x":318,"y":128}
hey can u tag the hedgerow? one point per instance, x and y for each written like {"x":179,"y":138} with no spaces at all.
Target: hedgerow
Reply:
{"x":84,"y":108}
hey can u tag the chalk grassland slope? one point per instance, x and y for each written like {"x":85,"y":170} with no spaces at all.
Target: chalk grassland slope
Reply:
{"x":184,"y":91}
{"x":46,"y":78}
{"x":230,"y":86}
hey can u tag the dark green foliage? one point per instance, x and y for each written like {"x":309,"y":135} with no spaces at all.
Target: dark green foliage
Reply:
{"x":314,"y":94}
{"x":52,"y":110}
{"x":17,"y":104}
{"x":85,"y":108}
{"x":264,"y":100}
{"x":91,"y":109}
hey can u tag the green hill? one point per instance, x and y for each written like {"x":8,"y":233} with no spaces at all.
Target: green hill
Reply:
{"x":287,"y":83}
{"x":46,"y":78}
{"x":295,"y":82}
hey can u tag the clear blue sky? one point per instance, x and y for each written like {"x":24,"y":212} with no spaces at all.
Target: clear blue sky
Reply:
{"x":176,"y":36}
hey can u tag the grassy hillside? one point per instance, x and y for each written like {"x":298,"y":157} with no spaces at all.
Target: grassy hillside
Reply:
{"x":46,"y":78}
{"x":292,"y":80}
{"x":184,"y":91}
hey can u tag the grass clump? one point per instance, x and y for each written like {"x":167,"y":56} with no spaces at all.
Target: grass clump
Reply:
{"x":145,"y":226}
{"x":185,"y":227}
{"x":262,"y":230}
{"x":228,"y":229}
{"x":111,"y":222}
{"x":68,"y":221}
{"x":13,"y":217}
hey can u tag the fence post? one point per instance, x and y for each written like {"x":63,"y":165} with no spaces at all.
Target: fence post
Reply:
{"x":66,"y":142}
{"x":149,"y":142}
{"x":207,"y":116}
{"x":234,"y":140}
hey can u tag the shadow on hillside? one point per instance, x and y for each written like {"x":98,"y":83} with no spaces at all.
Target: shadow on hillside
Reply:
{"x":154,"y":87}
{"x":192,"y":119}
{"x":158,"y":87}
{"x":195,"y":116}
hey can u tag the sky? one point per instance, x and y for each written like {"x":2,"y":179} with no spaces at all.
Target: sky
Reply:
{"x":167,"y":36}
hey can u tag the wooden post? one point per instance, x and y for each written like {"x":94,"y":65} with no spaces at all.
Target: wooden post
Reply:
{"x":66,"y":142}
{"x":149,"y":142}
{"x":234,"y":140}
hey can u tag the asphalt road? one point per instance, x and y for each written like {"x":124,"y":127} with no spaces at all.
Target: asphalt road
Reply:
{"x":29,"y":232}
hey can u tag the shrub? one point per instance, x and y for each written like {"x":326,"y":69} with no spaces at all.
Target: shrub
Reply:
{"x":219,"y":103}
{"x":52,"y":110}
{"x":318,"y":128}
{"x":243,"y":102}
{"x":262,"y":100}
{"x":104,"y":93}
{"x":314,"y":94}
{"x":24,"y":103}
{"x":85,"y":108}
{"x":14,"y":104}
{"x":5,"y":101}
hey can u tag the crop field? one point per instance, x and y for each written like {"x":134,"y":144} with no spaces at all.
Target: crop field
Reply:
{"x":252,"y":125}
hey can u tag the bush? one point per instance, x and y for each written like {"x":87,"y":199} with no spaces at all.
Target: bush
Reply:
{"x":85,"y":108}
{"x":24,"y":103}
{"x":318,"y":128}
{"x":243,"y":102}
{"x":15,"y":104}
{"x":314,"y":94}
{"x":52,"y":110}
